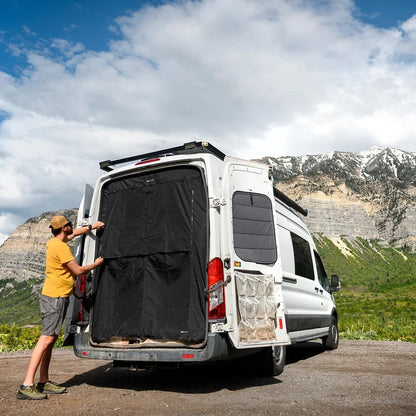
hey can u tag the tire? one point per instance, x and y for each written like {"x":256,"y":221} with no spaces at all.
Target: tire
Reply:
{"x":331,"y":340}
{"x":271,"y":361}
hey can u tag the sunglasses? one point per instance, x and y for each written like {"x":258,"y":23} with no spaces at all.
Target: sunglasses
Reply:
{"x":68,"y":224}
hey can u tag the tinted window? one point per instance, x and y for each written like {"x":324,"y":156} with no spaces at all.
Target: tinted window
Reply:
{"x":253,"y":228}
{"x":322,"y":277}
{"x":303,"y":257}
{"x":286,"y":250}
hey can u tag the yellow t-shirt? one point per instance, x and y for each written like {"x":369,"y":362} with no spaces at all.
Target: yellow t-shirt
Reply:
{"x":59,"y":279}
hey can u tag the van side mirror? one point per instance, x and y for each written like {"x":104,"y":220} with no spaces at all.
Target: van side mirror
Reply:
{"x":335,"y":283}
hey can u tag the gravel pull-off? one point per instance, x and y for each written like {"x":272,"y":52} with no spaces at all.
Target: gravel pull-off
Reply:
{"x":360,"y":378}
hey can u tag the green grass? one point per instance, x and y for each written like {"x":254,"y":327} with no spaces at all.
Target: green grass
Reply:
{"x":376,"y":316}
{"x":378,"y":296}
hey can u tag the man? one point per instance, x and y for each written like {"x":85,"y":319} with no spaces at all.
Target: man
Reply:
{"x":61,"y":269}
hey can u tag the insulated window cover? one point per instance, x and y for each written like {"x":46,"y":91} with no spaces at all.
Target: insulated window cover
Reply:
{"x":253,"y":229}
{"x":152,"y":284}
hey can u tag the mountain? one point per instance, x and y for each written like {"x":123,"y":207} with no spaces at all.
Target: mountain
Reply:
{"x":22,"y":255}
{"x":370,"y":194}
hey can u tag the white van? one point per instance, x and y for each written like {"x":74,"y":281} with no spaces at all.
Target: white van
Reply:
{"x":193,"y":263}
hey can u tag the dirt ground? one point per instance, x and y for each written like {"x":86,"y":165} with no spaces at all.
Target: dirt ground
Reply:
{"x":360,"y":378}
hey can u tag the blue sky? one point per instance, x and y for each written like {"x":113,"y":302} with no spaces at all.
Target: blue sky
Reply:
{"x":84,"y":81}
{"x":85,"y":21}
{"x":91,"y":22}
{"x":385,"y":13}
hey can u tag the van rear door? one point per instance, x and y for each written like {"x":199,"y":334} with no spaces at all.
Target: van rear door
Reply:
{"x":152,"y":286}
{"x":74,"y":302}
{"x":253,"y":296}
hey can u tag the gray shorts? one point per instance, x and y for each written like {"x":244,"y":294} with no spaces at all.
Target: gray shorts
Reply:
{"x":53,"y":312}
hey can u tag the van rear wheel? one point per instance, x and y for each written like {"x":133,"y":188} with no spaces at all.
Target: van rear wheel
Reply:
{"x":331,"y":340}
{"x":271,"y":361}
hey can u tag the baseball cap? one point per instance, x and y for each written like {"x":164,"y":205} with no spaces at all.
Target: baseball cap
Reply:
{"x":58,"y":221}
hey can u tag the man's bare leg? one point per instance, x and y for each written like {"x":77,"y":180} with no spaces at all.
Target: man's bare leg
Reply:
{"x":45,"y":361}
{"x":45,"y":342}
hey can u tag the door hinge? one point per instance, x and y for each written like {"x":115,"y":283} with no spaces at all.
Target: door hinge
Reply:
{"x":227,"y":263}
{"x":217,"y":202}
{"x":83,"y":223}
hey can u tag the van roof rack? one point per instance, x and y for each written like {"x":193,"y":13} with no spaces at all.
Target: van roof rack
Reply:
{"x":186,"y":148}
{"x":289,"y":202}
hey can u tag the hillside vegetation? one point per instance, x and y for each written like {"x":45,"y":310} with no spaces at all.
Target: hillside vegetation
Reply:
{"x":19,"y":302}
{"x":378,"y":296}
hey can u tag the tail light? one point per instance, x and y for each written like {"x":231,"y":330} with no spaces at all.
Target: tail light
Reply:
{"x":80,"y":289}
{"x":216,"y":298}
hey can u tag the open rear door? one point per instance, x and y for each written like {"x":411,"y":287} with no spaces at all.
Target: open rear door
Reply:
{"x":74,"y":303}
{"x":254,"y":301}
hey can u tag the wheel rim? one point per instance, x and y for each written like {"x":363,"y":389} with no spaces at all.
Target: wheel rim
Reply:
{"x":334,"y":332}
{"x":277,"y":354}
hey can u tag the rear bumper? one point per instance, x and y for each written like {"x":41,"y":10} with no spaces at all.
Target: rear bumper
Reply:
{"x":217,"y":347}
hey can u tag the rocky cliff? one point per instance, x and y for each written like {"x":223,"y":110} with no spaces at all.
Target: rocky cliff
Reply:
{"x":371,"y":194}
{"x":22,"y":255}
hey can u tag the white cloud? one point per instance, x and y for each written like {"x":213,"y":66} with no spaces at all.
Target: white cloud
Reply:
{"x":254,"y":77}
{"x":8,"y":223}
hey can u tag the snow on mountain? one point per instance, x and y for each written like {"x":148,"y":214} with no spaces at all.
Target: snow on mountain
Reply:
{"x":374,"y":163}
{"x":369,"y":194}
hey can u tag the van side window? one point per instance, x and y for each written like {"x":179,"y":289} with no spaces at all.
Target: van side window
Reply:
{"x":303,"y":257}
{"x":253,"y":228}
{"x":286,"y":250}
{"x":322,"y":276}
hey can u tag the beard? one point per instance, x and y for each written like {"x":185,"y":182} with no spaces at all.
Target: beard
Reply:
{"x":69,"y":232}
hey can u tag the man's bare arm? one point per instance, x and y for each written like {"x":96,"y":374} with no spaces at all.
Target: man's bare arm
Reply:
{"x":82,"y":230}
{"x":76,"y":269}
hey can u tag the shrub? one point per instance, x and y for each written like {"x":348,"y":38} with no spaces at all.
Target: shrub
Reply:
{"x":15,"y":338}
